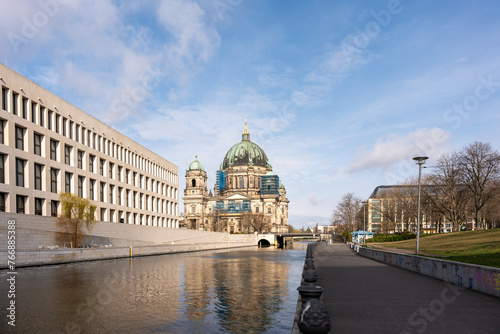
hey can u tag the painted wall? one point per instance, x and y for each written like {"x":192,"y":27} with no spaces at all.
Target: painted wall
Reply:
{"x":480,"y":278}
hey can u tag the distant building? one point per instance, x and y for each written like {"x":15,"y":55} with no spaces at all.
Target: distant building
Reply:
{"x":48,"y":146}
{"x":247,"y":195}
{"x":393,"y":208}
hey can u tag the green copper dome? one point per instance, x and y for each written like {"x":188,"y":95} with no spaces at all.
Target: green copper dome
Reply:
{"x":196,"y":165}
{"x":245,"y":153}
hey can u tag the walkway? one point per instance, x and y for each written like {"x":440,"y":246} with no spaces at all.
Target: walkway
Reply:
{"x":365,"y":296}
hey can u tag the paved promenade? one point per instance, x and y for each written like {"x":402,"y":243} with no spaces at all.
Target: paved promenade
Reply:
{"x":365,"y":296}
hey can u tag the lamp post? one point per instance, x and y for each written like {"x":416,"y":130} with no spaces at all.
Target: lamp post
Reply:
{"x":364,"y":222}
{"x":419,"y":161}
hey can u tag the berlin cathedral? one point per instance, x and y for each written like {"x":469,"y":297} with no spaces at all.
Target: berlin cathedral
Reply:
{"x":247,"y":196}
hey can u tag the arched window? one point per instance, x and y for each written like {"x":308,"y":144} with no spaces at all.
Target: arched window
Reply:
{"x":193,"y":183}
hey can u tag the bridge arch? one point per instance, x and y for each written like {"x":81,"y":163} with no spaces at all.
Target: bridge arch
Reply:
{"x":264,"y":243}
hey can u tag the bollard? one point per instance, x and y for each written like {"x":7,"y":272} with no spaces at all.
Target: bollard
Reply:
{"x":308,"y":291}
{"x":314,"y":318}
{"x":310,"y":276}
{"x":309,"y":263}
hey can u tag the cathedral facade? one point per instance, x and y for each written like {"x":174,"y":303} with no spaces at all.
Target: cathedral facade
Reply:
{"x":247,"y":195}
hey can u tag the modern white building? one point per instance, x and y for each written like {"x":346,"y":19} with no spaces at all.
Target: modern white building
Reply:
{"x":48,"y":147}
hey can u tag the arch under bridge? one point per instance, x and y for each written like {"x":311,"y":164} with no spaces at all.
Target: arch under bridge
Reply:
{"x":283,"y":239}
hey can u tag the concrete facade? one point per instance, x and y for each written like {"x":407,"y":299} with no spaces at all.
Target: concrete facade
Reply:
{"x":48,"y":146}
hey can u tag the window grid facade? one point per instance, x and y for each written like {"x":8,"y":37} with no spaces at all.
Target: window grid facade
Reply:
{"x":46,"y":140}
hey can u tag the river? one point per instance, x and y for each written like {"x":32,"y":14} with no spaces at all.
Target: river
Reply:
{"x":245,"y":290}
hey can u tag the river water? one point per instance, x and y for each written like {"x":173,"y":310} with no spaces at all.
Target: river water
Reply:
{"x":245,"y":290}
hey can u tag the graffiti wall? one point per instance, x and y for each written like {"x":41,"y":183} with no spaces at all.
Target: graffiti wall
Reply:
{"x":481,"y":278}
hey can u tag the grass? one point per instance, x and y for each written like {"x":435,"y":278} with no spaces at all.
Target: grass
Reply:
{"x":476,"y":247}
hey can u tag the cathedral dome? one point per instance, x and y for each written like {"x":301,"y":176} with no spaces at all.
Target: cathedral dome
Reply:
{"x":245,"y":153}
{"x":196,"y":165}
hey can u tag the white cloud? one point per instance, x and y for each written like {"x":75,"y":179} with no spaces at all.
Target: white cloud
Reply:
{"x":394,"y":148}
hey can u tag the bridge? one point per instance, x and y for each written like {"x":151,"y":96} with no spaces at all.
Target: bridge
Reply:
{"x":283,"y":239}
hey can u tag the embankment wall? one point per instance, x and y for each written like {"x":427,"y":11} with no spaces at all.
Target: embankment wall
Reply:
{"x":480,"y":278}
{"x":34,"y":234}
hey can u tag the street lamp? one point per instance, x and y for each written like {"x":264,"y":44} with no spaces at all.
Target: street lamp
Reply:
{"x":364,"y":222}
{"x":419,"y":161}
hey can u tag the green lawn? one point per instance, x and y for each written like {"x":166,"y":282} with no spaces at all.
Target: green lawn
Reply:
{"x":477,"y":247}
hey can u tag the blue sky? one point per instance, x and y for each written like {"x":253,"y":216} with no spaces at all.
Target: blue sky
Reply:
{"x":340,"y":94}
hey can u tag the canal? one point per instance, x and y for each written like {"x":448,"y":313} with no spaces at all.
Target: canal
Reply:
{"x":245,"y":290}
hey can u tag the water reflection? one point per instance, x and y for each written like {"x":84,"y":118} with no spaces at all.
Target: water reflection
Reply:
{"x":238,"y":291}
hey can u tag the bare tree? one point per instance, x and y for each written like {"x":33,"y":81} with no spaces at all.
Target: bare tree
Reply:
{"x":446,"y":192}
{"x":480,"y":169}
{"x":254,"y":222}
{"x":389,"y":208}
{"x":348,"y":211}
{"x":407,"y":199}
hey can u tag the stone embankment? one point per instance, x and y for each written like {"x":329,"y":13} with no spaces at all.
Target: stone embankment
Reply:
{"x":475,"y":277}
{"x":35,"y":241}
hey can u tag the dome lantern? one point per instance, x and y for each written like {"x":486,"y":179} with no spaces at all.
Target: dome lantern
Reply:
{"x":196,"y":165}
{"x":245,"y":153}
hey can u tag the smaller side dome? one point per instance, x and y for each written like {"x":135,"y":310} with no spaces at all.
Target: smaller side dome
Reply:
{"x":196,"y":165}
{"x":270,"y":173}
{"x":282,"y":186}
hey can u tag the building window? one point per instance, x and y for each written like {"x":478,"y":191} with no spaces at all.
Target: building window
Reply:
{"x":80,"y":186}
{"x":37,"y":138}
{"x":58,"y":120}
{"x":20,"y":172}
{"x":67,"y":154}
{"x":67,"y":182}
{"x":91,"y":163}
{"x":64,"y":124}
{"x":38,"y":206}
{"x":127,"y":172}
{"x":33,"y":112}
{"x":2,"y":168}
{"x":111,"y":193}
{"x":54,"y":205}
{"x":38,"y":176}
{"x":140,"y":201}
{"x":53,"y":150}
{"x":91,"y":189}
{"x":2,"y":128}
{"x":84,"y":131}
{"x":102,"y":185}
{"x":20,"y":138}
{"x":3,"y":196}
{"x":71,"y":130}
{"x":53,"y":180}
{"x":80,"y":159}
{"x":5,"y":94}
{"x":101,"y":166}
{"x":15,"y":98}
{"x":20,"y":204}
{"x":49,"y":119}
{"x":119,"y":196}
{"x":133,"y":199}
{"x":42,"y":116}
{"x":120,"y":173}
{"x":111,"y":170}
{"x":269,"y":210}
{"x":25,"y":108}
{"x":77,"y":133}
